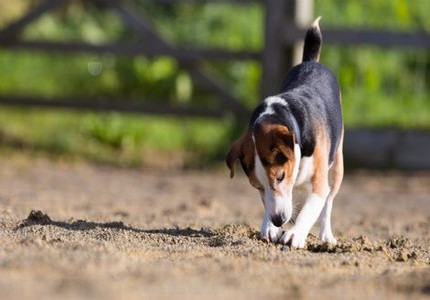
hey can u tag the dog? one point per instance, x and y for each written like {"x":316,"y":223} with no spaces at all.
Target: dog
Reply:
{"x":295,"y":138}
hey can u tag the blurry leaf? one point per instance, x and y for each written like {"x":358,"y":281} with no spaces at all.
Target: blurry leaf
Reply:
{"x":184,"y":87}
{"x":162,"y":67}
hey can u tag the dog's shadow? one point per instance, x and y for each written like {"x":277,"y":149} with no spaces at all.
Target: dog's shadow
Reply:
{"x":40,"y":218}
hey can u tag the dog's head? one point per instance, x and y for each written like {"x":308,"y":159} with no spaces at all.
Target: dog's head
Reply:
{"x":269,"y":157}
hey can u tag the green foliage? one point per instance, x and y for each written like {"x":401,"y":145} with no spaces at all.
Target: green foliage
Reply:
{"x":393,"y":15}
{"x":380,"y":87}
{"x":114,"y":138}
{"x":231,"y":26}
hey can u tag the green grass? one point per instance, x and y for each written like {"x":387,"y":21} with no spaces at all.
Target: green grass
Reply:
{"x":382,"y":87}
{"x":127,"y":140}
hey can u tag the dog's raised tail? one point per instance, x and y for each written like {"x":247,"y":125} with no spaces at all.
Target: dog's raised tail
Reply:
{"x":313,"y":41}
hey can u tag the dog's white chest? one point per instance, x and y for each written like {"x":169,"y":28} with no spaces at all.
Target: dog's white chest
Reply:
{"x":306,"y":169}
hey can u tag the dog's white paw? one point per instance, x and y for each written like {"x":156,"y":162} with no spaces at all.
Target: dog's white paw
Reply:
{"x":296,"y":236}
{"x":327,"y":236}
{"x":270,"y":233}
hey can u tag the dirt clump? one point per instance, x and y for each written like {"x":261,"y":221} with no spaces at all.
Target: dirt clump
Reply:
{"x":401,"y":249}
{"x":356,"y":244}
{"x":396,"y":248}
{"x":36,"y":217}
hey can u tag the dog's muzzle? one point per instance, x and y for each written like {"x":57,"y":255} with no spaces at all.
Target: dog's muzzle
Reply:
{"x":278,"y":219}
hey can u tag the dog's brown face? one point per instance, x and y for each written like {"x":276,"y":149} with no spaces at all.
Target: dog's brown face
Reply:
{"x":269,"y":158}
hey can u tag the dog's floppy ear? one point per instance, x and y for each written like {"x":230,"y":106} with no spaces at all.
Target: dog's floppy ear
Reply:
{"x":234,"y":154}
{"x":284,"y":136}
{"x":243,"y":149}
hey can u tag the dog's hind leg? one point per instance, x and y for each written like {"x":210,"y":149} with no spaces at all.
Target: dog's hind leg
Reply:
{"x":336,"y":176}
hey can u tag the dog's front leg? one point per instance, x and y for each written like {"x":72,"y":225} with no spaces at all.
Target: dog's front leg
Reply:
{"x":269,"y":231}
{"x":304,"y":222}
{"x":313,"y":205}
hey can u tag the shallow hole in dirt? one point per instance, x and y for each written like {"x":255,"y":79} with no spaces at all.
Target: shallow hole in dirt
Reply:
{"x":396,"y":248}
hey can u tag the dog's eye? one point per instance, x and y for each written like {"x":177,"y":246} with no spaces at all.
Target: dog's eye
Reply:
{"x":280,"y":177}
{"x":280,"y":159}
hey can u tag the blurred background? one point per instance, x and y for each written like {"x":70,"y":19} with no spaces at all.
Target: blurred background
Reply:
{"x":171,"y":83}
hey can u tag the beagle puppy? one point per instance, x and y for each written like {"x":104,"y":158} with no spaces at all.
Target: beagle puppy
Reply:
{"x":295,"y":138}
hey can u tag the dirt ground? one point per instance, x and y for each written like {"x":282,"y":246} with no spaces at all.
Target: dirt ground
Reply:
{"x":108,"y":233}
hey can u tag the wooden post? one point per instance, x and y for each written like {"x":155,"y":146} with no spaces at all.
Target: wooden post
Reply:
{"x":302,"y":19}
{"x":279,"y":57}
{"x":274,"y":58}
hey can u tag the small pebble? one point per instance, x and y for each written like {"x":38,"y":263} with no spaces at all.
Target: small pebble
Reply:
{"x":285,"y":248}
{"x":239,"y":242}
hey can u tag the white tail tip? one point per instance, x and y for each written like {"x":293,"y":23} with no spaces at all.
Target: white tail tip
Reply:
{"x":316,"y":22}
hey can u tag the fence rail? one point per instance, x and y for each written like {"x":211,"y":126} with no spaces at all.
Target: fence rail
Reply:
{"x":189,"y":54}
{"x":120,"y":105}
{"x":352,"y":37}
{"x":282,"y":18}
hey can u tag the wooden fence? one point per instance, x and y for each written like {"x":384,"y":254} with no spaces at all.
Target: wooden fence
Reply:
{"x":285,"y":22}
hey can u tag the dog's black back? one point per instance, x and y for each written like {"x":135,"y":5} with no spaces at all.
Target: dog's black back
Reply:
{"x":310,"y":101}
{"x":313,"y":96}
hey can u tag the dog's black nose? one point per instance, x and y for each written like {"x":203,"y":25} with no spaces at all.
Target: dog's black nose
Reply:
{"x":278,"y":220}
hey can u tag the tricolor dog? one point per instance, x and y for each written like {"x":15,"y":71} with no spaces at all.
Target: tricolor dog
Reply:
{"x":294,"y":138}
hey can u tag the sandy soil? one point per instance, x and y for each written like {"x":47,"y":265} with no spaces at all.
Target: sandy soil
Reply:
{"x":107,"y":233}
